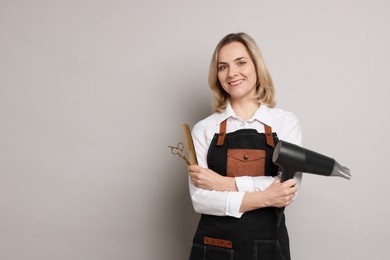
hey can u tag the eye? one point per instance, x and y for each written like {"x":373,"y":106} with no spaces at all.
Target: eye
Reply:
{"x":240,"y":63}
{"x":221,"y":67}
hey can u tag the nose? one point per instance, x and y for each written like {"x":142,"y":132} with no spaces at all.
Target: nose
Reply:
{"x":233,"y":71}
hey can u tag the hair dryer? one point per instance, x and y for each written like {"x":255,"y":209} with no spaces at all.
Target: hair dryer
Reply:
{"x":292,"y":158}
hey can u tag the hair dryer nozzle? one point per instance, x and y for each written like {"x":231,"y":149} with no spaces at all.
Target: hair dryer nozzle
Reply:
{"x":341,"y":171}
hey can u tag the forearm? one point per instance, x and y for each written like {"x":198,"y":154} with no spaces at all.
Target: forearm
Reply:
{"x":276,"y":195}
{"x":252,"y":201}
{"x":227,"y":184}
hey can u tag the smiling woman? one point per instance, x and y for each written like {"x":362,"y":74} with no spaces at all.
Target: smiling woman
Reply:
{"x":237,"y":74}
{"x":245,"y":51}
{"x":236,"y":186}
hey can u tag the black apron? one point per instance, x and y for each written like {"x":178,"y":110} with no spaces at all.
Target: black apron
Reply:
{"x":255,"y":235}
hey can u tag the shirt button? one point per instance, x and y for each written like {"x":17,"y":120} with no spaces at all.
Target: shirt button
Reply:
{"x":246,"y":157}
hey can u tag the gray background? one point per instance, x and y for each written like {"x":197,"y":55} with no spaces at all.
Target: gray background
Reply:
{"x":93,"y":92}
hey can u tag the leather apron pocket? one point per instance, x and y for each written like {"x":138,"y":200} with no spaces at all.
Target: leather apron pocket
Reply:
{"x":245,"y":162}
{"x":205,"y":252}
{"x":268,"y":250}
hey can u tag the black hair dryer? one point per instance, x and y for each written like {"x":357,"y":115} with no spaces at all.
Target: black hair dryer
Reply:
{"x":292,"y":158}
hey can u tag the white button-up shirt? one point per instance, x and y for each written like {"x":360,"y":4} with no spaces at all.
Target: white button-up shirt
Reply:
{"x":228,"y":203}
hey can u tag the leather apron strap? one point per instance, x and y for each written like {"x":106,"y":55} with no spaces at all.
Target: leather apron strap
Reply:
{"x":222,"y":134}
{"x":268,"y":135}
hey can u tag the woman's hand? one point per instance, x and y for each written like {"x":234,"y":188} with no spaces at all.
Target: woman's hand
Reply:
{"x":209,"y":180}
{"x":280,"y":194}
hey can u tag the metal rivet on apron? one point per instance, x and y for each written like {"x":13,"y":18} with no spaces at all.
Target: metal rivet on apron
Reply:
{"x":246,"y":157}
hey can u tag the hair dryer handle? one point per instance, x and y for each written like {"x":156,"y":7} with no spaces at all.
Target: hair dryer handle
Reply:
{"x":287,"y":174}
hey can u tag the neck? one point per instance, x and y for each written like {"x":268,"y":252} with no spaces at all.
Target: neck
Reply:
{"x":244,"y":110}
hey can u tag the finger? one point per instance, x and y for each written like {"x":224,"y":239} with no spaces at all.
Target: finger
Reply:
{"x":294,"y":188}
{"x":290,"y":182}
{"x":193,"y":168}
{"x":195,"y":181}
{"x":194,"y":175}
{"x":290,"y":199}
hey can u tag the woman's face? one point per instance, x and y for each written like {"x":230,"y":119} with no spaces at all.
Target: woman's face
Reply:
{"x":236,"y":72}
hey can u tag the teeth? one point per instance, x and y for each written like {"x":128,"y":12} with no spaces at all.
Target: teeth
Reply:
{"x":235,"y":83}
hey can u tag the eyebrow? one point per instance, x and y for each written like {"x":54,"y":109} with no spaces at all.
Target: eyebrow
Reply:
{"x":240,"y":58}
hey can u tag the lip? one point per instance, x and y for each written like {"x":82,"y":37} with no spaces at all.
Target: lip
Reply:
{"x":235,"y":82}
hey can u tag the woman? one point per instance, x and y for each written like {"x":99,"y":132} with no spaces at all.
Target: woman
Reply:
{"x":236,"y":186}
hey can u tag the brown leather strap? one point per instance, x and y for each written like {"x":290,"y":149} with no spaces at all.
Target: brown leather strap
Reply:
{"x":268,"y":135}
{"x":217,"y":242}
{"x":222,"y":133}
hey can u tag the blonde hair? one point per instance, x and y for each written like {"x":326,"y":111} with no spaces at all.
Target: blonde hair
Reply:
{"x":265,"y":91}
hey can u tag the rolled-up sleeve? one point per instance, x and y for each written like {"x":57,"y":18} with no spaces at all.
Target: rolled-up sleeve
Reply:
{"x":217,"y":203}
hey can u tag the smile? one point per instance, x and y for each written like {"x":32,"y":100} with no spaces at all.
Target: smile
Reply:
{"x":236,"y":83}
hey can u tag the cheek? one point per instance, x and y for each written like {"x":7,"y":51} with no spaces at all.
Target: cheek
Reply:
{"x":220,"y":77}
{"x":250,"y":73}
{"x":247,"y":71}
{"x":222,"y":82}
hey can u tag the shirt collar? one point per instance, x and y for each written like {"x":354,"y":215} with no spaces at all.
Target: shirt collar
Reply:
{"x":228,"y":112}
{"x":262,"y":115}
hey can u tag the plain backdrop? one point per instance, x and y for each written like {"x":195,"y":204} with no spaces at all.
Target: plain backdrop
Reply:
{"x":92,"y":93}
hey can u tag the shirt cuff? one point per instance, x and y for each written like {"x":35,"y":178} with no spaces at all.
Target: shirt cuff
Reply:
{"x":234,"y":204}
